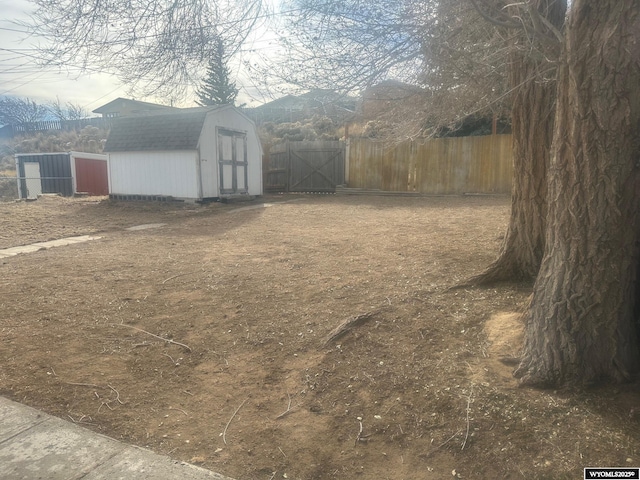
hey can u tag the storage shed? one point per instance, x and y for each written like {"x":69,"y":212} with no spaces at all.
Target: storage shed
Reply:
{"x":192,"y":154}
{"x":62,"y":173}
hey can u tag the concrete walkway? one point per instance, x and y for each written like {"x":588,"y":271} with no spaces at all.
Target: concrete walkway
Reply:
{"x":36,"y":446}
{"x":34,"y":247}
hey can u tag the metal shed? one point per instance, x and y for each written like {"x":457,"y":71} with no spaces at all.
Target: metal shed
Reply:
{"x":65,"y":173}
{"x":191,"y":154}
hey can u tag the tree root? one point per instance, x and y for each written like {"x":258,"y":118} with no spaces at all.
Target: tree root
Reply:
{"x":503,"y":270}
{"x":347,"y":325}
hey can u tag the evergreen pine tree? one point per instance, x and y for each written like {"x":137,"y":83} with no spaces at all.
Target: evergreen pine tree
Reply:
{"x":217,"y":87}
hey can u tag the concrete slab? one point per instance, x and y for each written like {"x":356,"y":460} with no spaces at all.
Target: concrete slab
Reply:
{"x":9,"y":252}
{"x":141,"y":464}
{"x":12,"y":424}
{"x":146,"y":226}
{"x":54,"y":450}
{"x":251,"y":207}
{"x":37,"y":446}
{"x":65,"y":241}
{"x":34,"y":247}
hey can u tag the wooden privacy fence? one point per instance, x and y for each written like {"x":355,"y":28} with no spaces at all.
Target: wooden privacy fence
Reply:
{"x":454,"y":165}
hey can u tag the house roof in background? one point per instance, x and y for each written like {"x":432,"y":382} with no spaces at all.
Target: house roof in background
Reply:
{"x":397,"y":88}
{"x":313,"y":97}
{"x":281,"y":102}
{"x":122,"y":103}
{"x":179,"y":130}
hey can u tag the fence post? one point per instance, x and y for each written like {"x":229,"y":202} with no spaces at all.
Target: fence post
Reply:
{"x":347,"y":146}
{"x":287,"y":166}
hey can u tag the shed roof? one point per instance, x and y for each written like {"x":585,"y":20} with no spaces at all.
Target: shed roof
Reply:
{"x":161,"y":131}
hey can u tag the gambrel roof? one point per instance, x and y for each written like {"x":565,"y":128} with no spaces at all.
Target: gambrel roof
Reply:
{"x":162,"y":131}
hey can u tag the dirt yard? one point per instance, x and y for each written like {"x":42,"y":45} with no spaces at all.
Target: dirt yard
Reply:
{"x":206,"y":339}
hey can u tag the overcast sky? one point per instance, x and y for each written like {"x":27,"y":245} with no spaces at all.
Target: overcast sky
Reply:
{"x":21,"y":76}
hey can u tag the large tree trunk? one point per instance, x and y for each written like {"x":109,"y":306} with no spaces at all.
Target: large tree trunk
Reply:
{"x":581,"y":326}
{"x":532,"y":124}
{"x":532,"y":80}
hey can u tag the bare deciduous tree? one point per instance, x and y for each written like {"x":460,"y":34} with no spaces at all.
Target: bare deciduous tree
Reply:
{"x":68,"y":111}
{"x":15,"y":110}
{"x":352,"y":43}
{"x":452,"y":62}
{"x":155,"y":48}
{"x":575,"y":221}
{"x":583,"y":323}
{"x":576,"y":112}
{"x":532,"y":70}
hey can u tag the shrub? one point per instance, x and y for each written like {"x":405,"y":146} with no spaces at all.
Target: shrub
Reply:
{"x":318,"y":128}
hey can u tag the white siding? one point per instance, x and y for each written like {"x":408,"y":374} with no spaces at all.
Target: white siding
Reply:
{"x":209,"y":160}
{"x":170,"y":173}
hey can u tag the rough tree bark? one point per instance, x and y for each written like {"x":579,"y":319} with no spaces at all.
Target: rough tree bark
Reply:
{"x":581,"y":325}
{"x":532,"y":79}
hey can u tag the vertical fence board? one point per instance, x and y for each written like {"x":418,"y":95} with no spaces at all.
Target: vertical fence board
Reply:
{"x":365,"y":163}
{"x":277,"y":172}
{"x":453,"y":165}
{"x":395,"y":168}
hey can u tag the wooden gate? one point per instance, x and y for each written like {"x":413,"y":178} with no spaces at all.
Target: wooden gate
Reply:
{"x":305,"y":167}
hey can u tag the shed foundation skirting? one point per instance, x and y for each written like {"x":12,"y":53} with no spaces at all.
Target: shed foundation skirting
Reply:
{"x":145,"y":198}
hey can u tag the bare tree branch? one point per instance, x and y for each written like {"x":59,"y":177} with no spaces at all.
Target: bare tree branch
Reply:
{"x":493,"y":17}
{"x":68,"y":111}
{"x":454,"y":62}
{"x":14,"y":110}
{"x":158,"y":47}
{"x":501,"y":17}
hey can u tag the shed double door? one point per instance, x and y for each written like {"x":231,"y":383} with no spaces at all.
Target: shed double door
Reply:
{"x":232,"y":160}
